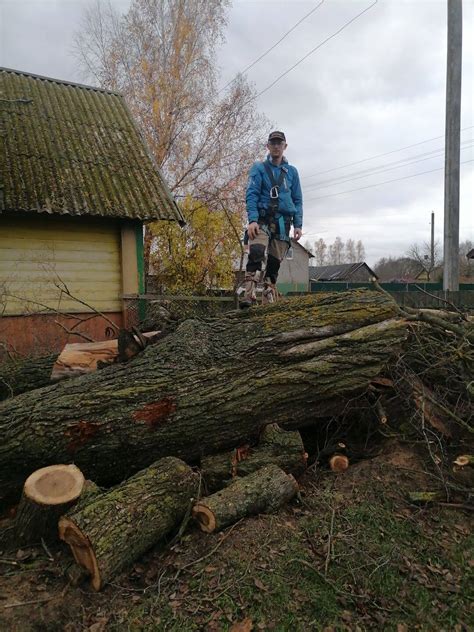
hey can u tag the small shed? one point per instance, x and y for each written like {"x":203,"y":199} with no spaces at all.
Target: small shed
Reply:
{"x":293,"y":275}
{"x":77,"y":184}
{"x":349,"y":272}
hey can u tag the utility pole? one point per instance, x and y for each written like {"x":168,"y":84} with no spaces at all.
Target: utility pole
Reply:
{"x":432,"y":242}
{"x":452,"y":147}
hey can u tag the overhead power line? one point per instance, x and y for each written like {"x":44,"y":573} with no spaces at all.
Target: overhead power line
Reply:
{"x":382,"y":169}
{"x":242,"y":72}
{"x":370,"y":186}
{"x":387,"y":153}
{"x":313,"y":50}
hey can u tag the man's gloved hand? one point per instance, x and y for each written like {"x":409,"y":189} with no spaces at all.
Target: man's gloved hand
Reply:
{"x":253,"y":230}
{"x":297,"y":234}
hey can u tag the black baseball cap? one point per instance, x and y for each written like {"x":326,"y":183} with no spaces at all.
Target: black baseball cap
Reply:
{"x":277,"y":135}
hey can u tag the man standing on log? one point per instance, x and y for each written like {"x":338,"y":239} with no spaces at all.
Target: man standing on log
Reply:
{"x":274,"y":203}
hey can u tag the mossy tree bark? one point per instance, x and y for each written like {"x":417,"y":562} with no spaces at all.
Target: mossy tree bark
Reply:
{"x":116,"y":527}
{"x":263,"y":491}
{"x":209,"y":386}
{"x":20,"y":376}
{"x":282,"y":447}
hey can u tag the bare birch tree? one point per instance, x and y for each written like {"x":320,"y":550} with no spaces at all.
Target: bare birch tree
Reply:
{"x":320,"y":251}
{"x":350,"y":251}
{"x":161,"y":55}
{"x":336,"y":252}
{"x":427,"y":260}
{"x":360,"y":252}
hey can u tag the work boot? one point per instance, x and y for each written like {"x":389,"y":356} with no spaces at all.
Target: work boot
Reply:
{"x":249,"y":286}
{"x":270,"y":292}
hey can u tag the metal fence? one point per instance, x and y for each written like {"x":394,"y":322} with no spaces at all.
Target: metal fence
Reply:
{"x":420,"y":295}
{"x":139,"y":309}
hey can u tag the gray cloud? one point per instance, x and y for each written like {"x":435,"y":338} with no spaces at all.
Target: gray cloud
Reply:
{"x":377,"y":86}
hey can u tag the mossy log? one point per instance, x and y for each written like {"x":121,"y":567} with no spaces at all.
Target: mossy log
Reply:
{"x":264,"y":491}
{"x":425,"y":497}
{"x":282,"y":447}
{"x":47,"y":494}
{"x":209,"y":386}
{"x":21,"y":376}
{"x":112,"y":531}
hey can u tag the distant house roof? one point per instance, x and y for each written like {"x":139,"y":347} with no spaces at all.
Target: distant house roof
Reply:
{"x":470,"y":254}
{"x":340,"y":272}
{"x":297,"y":243}
{"x":73,"y":149}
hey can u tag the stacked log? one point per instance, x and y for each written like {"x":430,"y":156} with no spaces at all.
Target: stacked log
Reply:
{"x":264,"y":491}
{"x":118,"y":526}
{"x":20,"y":376}
{"x":281,"y":447}
{"x":207,"y":387}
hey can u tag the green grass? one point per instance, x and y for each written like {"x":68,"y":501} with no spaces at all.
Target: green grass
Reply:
{"x":385,"y":568}
{"x":388,"y":564}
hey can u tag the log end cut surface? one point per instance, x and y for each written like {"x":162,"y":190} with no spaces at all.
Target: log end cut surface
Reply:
{"x":339,"y":463}
{"x":205,"y":518}
{"x":81,"y":549}
{"x":54,"y":485}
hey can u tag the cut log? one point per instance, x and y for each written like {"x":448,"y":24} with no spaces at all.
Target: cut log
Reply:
{"x":264,"y":491}
{"x":463,"y":469}
{"x":48,"y":493}
{"x":80,"y":358}
{"x":118,"y":526}
{"x":207,"y":387}
{"x":281,"y":447}
{"x":338,"y":463}
{"x":20,"y":376}
{"x":89,"y":492}
{"x":464,"y":459}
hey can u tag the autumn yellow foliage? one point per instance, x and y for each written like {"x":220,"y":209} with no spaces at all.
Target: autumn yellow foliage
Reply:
{"x":200,"y":255}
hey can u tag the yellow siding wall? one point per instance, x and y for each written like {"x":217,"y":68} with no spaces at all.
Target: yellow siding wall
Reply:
{"x":37,"y":251}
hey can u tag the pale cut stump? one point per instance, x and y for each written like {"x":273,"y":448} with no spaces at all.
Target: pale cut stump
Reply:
{"x":47,"y":494}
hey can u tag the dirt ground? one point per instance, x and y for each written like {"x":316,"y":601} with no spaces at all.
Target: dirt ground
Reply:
{"x":351,"y":553}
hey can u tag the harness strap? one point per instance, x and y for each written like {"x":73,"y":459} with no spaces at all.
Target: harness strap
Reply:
{"x":274,"y":191}
{"x":272,"y":215}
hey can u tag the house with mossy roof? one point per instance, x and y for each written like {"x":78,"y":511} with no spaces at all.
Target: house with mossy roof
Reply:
{"x":77,"y":184}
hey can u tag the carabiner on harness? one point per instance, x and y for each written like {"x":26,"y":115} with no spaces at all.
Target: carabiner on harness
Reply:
{"x":274,"y":194}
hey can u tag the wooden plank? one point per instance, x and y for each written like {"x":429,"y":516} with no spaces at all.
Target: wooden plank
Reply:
{"x":79,"y":358}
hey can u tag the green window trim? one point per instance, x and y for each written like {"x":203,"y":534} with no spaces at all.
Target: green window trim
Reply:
{"x":140,"y":269}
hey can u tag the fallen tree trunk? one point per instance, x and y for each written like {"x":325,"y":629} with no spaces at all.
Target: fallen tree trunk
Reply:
{"x":206,"y":387}
{"x":118,"y":526}
{"x":280,"y":447}
{"x":20,"y":376}
{"x":264,"y":491}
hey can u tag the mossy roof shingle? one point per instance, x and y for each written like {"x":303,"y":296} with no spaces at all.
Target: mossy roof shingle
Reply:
{"x":72,"y":149}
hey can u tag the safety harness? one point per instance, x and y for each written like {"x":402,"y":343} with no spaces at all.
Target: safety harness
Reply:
{"x":274,"y":219}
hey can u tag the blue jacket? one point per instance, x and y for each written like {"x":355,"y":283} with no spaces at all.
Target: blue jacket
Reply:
{"x":258,"y":192}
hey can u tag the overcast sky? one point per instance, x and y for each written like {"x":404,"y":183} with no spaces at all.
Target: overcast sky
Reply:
{"x":376,"y":87}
